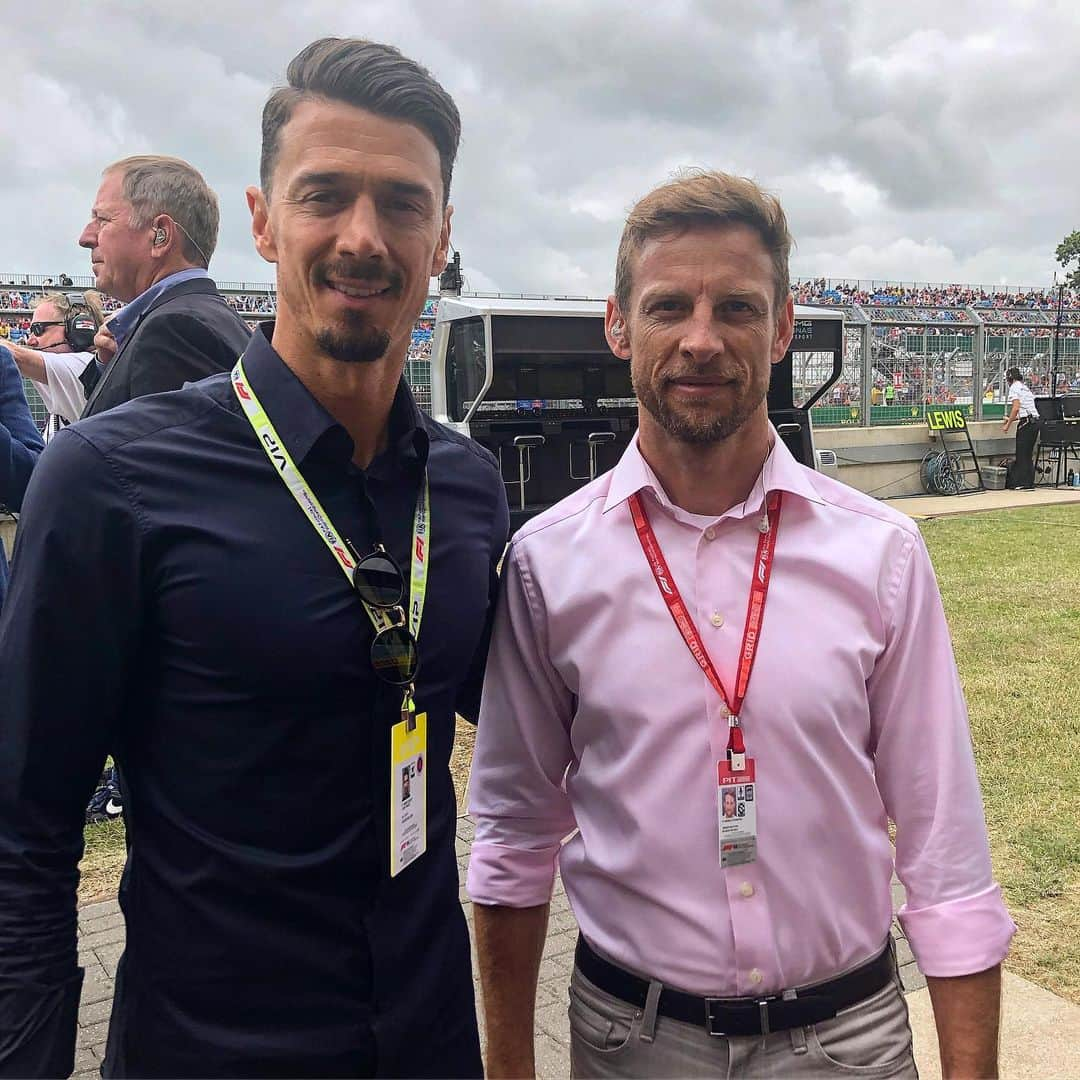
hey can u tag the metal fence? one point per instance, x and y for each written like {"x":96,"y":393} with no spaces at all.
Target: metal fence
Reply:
{"x":943,"y":347}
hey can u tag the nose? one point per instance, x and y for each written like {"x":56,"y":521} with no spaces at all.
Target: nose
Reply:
{"x":361,"y":234}
{"x":702,"y":338}
{"x":88,"y":237}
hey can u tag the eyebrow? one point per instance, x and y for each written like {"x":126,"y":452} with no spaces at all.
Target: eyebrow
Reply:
{"x":399,"y":187}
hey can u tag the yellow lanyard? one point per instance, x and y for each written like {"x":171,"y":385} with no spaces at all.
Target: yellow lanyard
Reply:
{"x":320,"y":520}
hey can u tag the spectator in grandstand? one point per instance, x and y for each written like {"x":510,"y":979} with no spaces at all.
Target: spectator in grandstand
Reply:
{"x":20,"y":446}
{"x":1025,"y":415}
{"x":210,"y":633}
{"x":151,"y":235}
{"x":58,"y":350}
{"x":577,"y":742}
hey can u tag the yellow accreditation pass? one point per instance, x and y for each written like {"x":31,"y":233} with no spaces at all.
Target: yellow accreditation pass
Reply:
{"x":408,"y":793}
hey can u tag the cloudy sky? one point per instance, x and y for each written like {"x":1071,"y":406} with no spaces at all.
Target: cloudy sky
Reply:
{"x":930,"y":140}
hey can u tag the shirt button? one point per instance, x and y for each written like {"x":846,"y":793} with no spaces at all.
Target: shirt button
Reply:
{"x":710,"y":533}
{"x":717,"y":619}
{"x":746,"y":889}
{"x":756,"y":976}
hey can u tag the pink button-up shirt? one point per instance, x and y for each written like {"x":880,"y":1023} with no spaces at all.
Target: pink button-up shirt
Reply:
{"x":596,"y":717}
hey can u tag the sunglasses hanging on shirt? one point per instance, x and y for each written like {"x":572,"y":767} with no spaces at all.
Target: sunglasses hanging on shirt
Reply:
{"x":378,"y":580}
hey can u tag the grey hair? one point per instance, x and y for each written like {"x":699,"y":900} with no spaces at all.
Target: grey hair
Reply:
{"x":155,"y":184}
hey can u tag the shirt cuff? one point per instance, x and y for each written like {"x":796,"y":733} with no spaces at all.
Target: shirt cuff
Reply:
{"x":510,"y":877}
{"x":959,"y":937}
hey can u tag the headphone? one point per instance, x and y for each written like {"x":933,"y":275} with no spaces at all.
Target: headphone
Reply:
{"x":160,"y":237}
{"x":79,"y":326}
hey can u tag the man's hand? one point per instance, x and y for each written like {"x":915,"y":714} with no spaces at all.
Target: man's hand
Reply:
{"x":509,"y":942}
{"x":967,"y":1011}
{"x":104,"y":343}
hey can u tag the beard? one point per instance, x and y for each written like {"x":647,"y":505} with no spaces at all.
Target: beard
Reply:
{"x":359,"y":344}
{"x":357,"y":341}
{"x":701,"y":426}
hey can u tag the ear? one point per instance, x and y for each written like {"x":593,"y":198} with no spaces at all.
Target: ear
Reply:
{"x":785,"y":330}
{"x":442,"y":249}
{"x":261,"y":228}
{"x":615,"y":330}
{"x":162,"y":235}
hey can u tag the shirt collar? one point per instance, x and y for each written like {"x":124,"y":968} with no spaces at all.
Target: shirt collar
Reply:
{"x":781,"y":472}
{"x":123,"y":322}
{"x":304,"y":426}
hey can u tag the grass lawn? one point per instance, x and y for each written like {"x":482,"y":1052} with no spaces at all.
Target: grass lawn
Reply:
{"x":1011,"y":584}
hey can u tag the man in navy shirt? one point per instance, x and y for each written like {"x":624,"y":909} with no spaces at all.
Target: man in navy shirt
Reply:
{"x":20,"y":446}
{"x":207,"y":635}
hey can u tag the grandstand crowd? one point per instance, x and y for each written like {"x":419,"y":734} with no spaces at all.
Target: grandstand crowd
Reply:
{"x":897,"y":311}
{"x":884,"y":294}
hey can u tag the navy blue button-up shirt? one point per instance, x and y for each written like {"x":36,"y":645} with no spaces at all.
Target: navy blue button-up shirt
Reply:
{"x":171,"y":604}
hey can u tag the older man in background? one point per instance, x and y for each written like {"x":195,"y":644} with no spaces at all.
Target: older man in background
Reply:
{"x":152,"y":232}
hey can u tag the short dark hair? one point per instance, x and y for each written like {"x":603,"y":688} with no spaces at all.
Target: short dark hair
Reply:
{"x":1013,"y":375}
{"x":370,"y":76}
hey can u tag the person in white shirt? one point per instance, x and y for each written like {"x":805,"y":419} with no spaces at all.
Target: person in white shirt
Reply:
{"x":58,"y":350}
{"x":1026,"y":415}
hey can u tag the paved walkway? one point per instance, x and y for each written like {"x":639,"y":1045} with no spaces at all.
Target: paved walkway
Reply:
{"x":928,"y":506}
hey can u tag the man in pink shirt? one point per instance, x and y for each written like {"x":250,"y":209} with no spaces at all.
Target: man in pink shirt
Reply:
{"x":710,"y":618}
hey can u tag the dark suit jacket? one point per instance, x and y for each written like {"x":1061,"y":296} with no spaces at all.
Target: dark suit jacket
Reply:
{"x":186,"y":334}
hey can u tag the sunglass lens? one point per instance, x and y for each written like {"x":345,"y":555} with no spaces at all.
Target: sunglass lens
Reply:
{"x":378,"y":581}
{"x":394,"y":656}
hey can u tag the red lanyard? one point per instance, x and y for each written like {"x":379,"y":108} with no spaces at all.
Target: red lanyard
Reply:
{"x":755,"y":609}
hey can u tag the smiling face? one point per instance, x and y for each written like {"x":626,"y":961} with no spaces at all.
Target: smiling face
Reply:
{"x":356,"y":225}
{"x":702,"y":331}
{"x":729,"y":804}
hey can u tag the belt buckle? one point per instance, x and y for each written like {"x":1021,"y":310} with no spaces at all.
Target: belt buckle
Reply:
{"x":762,"y":1007}
{"x":709,"y":1003}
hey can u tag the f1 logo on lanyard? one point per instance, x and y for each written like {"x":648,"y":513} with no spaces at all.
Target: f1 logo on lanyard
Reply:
{"x":736,"y":789}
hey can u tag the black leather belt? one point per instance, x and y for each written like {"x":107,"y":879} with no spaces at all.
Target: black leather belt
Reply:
{"x":742,"y":1016}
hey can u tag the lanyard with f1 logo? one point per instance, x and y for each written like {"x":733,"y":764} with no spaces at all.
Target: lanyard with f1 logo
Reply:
{"x":755,"y":612}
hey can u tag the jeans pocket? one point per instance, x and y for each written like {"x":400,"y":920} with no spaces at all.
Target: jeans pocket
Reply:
{"x":872,"y":1038}
{"x":602,"y":1025}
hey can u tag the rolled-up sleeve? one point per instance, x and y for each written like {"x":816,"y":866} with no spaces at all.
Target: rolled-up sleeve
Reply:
{"x":517,"y":799}
{"x":954,"y":916}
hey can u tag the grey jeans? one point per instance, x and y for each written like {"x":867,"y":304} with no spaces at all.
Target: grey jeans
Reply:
{"x":608,"y":1037}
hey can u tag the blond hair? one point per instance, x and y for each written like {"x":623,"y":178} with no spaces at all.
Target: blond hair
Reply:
{"x":696,"y":197}
{"x":68,"y":304}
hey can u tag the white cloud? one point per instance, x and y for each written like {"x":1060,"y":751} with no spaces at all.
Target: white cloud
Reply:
{"x":923,"y":141}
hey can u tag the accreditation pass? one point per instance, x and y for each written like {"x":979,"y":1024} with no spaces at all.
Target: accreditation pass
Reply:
{"x":408,"y":793}
{"x":736,"y":795}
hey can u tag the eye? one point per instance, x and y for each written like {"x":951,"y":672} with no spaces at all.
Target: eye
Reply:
{"x":402,"y":205}
{"x":666,"y":305}
{"x":321,"y":198}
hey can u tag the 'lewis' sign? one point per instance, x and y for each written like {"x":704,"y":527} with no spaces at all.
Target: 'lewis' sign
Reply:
{"x":945,"y":418}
